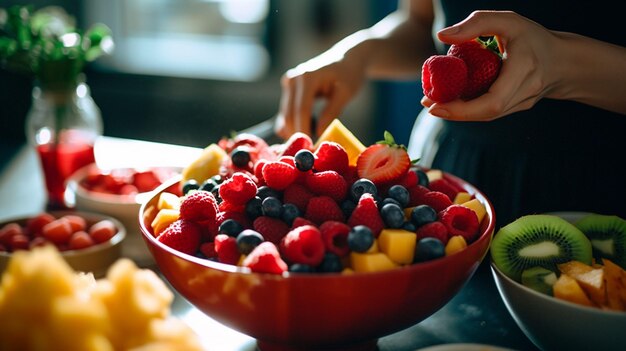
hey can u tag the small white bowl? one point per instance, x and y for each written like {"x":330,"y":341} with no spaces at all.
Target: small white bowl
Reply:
{"x":554,"y":324}
{"x":95,"y":259}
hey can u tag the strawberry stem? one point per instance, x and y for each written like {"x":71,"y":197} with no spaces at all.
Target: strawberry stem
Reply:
{"x":389,"y":140}
{"x":490,"y":43}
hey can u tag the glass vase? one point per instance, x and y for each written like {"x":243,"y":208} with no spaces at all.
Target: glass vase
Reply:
{"x":62,"y":125}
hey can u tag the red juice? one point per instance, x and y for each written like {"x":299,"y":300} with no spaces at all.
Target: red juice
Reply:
{"x":59,"y":162}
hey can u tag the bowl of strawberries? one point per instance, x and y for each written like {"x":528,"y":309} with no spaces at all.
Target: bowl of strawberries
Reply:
{"x":325,"y":245}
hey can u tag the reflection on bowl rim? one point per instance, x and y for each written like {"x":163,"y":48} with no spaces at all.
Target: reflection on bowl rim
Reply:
{"x":550,"y":299}
{"x":486,"y":234}
{"x":74,"y":188}
{"x":119,"y":236}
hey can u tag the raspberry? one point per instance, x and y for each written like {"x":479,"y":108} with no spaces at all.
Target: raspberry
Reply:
{"x":199,"y":206}
{"x":366,"y":213}
{"x":265,"y":259}
{"x":416,"y":193}
{"x":238,"y":189}
{"x":296,"y":142}
{"x":437,"y":200}
{"x":208,"y":249}
{"x":279,"y":175}
{"x":227,"y":206}
{"x":303,"y":245}
{"x":329,"y":183}
{"x":182,"y":235}
{"x":444,"y":186}
{"x":335,"y":237}
{"x":240,"y":217}
{"x":300,"y":221}
{"x":298,"y":195}
{"x":331,"y":156}
{"x":460,"y":220}
{"x":272,"y":229}
{"x":258,"y":171}
{"x":410,"y":179}
{"x":226,"y":249}
{"x":435,"y":230}
{"x":323,"y":208}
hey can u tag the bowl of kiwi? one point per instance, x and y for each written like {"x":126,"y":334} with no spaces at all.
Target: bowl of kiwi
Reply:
{"x":562,"y":277}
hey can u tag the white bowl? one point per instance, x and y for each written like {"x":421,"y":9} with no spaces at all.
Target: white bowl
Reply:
{"x":554,"y":324}
{"x":95,"y":259}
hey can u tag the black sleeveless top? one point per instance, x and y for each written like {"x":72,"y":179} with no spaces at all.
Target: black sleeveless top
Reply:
{"x":558,"y":156}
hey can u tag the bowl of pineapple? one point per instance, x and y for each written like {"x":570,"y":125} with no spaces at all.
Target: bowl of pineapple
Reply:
{"x":561,"y":276}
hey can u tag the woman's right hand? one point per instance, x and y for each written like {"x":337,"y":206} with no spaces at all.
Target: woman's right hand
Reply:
{"x":336,"y":80}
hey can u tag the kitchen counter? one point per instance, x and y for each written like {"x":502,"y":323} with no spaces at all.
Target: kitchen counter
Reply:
{"x":475,"y":315}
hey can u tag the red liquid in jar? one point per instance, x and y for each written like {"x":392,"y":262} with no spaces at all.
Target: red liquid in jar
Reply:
{"x":59,"y":162}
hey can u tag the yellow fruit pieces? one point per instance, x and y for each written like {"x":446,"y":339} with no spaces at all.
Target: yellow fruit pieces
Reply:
{"x":602,"y":286}
{"x":168,"y":200}
{"x":337,"y":132}
{"x":45,"y":305}
{"x":398,"y":245}
{"x":478,"y":208}
{"x":455,"y":244}
{"x":206,"y":165}
{"x":462,"y":197}
{"x":163,"y":219}
{"x":371,"y":262}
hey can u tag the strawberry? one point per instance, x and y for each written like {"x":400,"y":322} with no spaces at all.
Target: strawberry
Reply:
{"x":181,"y":235}
{"x":384,"y":162}
{"x":331,"y":156}
{"x":296,"y":142}
{"x":366,"y":213}
{"x":265,"y":258}
{"x":145,"y":181}
{"x":483,"y":62}
{"x":444,"y":77}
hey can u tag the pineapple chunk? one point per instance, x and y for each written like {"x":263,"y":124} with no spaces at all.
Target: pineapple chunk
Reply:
{"x":455,"y":244}
{"x":168,"y":200}
{"x":478,"y":208}
{"x":206,"y":165}
{"x":371,"y":262}
{"x":338,"y":133}
{"x":164,"y":218}
{"x":462,"y":197}
{"x":568,"y":289}
{"x":434,"y":174}
{"x":398,"y":245}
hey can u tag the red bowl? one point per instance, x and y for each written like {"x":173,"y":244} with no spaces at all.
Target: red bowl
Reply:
{"x":319,"y":311}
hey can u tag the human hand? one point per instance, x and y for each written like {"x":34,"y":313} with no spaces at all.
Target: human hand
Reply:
{"x":331,"y":78}
{"x":528,"y":70}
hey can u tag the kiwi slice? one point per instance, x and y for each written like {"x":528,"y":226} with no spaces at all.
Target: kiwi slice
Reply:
{"x":539,"y":279}
{"x":538,"y":240}
{"x":607,"y":235}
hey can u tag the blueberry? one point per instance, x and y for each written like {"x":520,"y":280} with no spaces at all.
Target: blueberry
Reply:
{"x":304,"y":160}
{"x":408,"y":226}
{"x":400,"y":194}
{"x":423,"y":214}
{"x":230,"y":227}
{"x":254,"y":208}
{"x":428,"y":249}
{"x":331,"y":263}
{"x":392,"y":215}
{"x":189,"y":185}
{"x":422,"y":178}
{"x":362,"y":186}
{"x":360,"y":238}
{"x":347,"y":206}
{"x":389,"y":200}
{"x":240,"y":157}
{"x":265,"y":191}
{"x":301,"y":268}
{"x":272,"y":207}
{"x":208,"y":185}
{"x":218,"y":179}
{"x":216,"y":193}
{"x":289,"y":213}
{"x":247,"y":240}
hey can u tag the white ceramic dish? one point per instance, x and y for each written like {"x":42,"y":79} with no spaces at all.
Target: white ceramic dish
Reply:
{"x":554,"y":324}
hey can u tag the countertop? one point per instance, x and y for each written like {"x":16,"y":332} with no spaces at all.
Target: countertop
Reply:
{"x":476,"y":315}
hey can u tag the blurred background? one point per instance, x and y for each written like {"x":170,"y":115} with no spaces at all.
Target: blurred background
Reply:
{"x":190,"y":71}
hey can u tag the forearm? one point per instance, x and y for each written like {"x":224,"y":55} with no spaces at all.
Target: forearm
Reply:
{"x":595,"y":73}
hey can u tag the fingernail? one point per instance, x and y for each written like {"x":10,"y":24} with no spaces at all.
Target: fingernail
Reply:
{"x":439,"y":112}
{"x":450,"y":30}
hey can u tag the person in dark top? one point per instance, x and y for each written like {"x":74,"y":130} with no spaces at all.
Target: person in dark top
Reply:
{"x":548,"y":135}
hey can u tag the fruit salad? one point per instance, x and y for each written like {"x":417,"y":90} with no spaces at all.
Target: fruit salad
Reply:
{"x":45,"y":305}
{"x":124,"y":181}
{"x":331,"y":206}
{"x":582,"y":262}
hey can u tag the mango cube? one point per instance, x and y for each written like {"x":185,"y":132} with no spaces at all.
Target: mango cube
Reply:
{"x":567,"y":288}
{"x":371,"y":262}
{"x":455,"y":244}
{"x":338,"y":133}
{"x":478,"y":208}
{"x":461,"y":197}
{"x":168,"y":200}
{"x":398,"y":245}
{"x":164,"y":218}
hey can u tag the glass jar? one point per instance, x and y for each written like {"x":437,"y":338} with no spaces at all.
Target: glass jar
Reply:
{"x":63,"y":125}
